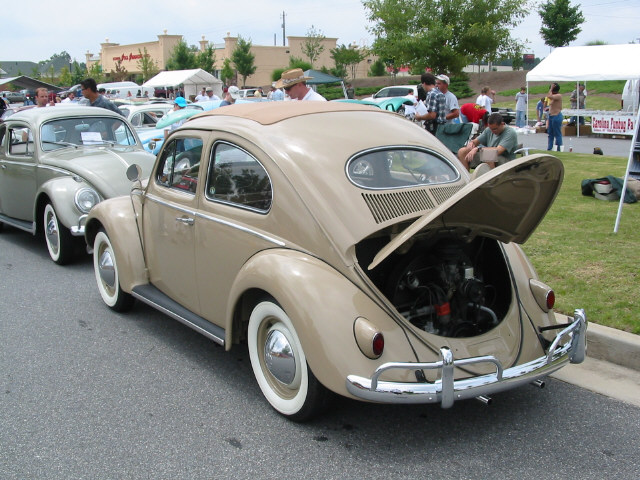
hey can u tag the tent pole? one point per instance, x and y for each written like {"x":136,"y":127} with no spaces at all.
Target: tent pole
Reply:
{"x":626,"y":175}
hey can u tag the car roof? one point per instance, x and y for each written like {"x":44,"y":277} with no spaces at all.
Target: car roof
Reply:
{"x":40,"y":115}
{"x":268,"y":113}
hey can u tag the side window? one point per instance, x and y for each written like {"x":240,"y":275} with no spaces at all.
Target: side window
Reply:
{"x":136,"y":120}
{"x":21,"y":141}
{"x":236,"y":177}
{"x":3,"y":131}
{"x":180,"y":164}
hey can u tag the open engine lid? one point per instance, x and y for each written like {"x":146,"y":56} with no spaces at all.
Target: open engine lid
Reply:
{"x":506,"y":204}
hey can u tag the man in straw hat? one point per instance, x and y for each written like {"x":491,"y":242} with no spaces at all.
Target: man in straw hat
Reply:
{"x":295,"y":85}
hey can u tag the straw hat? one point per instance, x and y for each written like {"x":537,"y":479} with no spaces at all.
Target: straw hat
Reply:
{"x":291,"y":77}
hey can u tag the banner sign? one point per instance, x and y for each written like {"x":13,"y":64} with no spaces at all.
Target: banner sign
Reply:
{"x":613,"y":124}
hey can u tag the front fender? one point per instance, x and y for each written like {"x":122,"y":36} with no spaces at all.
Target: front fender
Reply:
{"x":117,"y":217}
{"x":323,"y":305}
{"x":61,"y":192}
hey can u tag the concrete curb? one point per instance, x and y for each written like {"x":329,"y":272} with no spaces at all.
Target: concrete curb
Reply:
{"x":611,"y":345}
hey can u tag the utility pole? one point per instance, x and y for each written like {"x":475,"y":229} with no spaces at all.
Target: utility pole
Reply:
{"x":283,"y":29}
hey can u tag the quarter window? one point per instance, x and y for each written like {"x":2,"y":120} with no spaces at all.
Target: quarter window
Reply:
{"x":237,"y":178}
{"x":21,"y":142}
{"x":180,"y":164}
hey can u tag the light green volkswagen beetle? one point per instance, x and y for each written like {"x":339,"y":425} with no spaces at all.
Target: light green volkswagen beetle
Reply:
{"x":56,"y":163}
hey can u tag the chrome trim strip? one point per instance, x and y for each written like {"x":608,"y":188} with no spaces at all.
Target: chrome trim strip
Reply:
{"x":446,"y":390}
{"x":55,"y":169}
{"x":179,"y":318}
{"x":275,"y":241}
{"x":227,"y":223}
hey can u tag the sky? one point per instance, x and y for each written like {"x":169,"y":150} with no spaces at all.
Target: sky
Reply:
{"x":76,"y":30}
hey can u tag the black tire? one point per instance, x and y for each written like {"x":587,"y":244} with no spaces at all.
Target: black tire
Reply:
{"x":106,"y":271}
{"x":286,"y":380}
{"x":58,"y":238}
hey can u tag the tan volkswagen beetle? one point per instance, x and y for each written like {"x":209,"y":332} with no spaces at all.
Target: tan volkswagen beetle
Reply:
{"x":348,"y":248}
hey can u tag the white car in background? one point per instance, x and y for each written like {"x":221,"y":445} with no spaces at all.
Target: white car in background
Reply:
{"x":147,"y":115}
{"x":394,"y":91}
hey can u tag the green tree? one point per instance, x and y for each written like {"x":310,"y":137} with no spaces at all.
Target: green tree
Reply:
{"x":227,"y":73}
{"x":377,"y":69}
{"x":78,"y":73}
{"x":65,"y":77}
{"x":444,"y":35}
{"x":120,"y":73}
{"x":147,"y":65}
{"x":243,"y":59}
{"x":560,"y":22}
{"x":206,"y":59}
{"x":95,"y":72}
{"x":51,"y":74}
{"x":295,"y":62}
{"x":312,"y":45}
{"x":348,"y":58}
{"x":182,"y":57}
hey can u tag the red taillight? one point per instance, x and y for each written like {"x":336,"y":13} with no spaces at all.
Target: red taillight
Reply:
{"x":551,"y":299}
{"x":378,"y":344}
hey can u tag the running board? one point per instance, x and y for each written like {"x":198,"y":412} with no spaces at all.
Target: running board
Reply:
{"x":152,"y":296}
{"x":21,"y":224}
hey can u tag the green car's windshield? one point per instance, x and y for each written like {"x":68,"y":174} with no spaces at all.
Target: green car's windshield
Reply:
{"x":78,"y":131}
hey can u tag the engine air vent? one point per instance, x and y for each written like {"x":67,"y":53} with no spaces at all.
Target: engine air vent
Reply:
{"x":389,"y":205}
{"x":441,"y":194}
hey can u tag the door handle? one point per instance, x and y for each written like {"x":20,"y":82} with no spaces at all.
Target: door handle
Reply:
{"x":186,"y":220}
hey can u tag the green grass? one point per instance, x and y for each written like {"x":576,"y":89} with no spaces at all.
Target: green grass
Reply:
{"x":593,"y":103}
{"x":575,"y":251}
{"x":606,"y":86}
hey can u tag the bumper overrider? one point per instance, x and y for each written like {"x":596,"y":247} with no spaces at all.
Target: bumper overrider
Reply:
{"x":446,"y":390}
{"x":78,"y":230}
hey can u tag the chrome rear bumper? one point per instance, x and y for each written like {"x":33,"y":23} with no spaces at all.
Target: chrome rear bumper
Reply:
{"x":446,"y":390}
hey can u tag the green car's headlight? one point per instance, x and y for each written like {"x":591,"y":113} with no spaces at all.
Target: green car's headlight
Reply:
{"x":85,"y":199}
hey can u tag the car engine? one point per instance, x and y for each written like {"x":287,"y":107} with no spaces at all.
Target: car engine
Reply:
{"x":448,"y":287}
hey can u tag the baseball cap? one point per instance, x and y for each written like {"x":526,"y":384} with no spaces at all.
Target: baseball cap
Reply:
{"x":443,"y":78}
{"x":180,"y":101}
{"x":234,"y":92}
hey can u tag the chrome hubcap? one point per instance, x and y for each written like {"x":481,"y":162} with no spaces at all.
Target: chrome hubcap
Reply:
{"x":52,"y":233}
{"x":106,"y":269}
{"x":279,"y":357}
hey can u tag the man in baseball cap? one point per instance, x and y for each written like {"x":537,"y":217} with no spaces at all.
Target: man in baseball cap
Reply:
{"x":452,"y":109}
{"x":295,"y":86}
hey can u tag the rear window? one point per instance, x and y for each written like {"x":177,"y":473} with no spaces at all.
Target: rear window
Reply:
{"x":398,"y":168}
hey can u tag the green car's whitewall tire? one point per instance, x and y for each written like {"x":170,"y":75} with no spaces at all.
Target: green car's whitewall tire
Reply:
{"x":58,"y":237}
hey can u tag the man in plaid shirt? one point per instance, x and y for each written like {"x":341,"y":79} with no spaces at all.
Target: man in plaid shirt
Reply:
{"x":435,"y":103}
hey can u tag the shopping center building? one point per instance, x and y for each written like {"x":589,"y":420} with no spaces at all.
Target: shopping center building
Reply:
{"x":267,"y":58}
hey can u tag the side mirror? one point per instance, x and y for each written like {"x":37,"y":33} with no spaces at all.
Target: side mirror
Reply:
{"x":134,"y":172}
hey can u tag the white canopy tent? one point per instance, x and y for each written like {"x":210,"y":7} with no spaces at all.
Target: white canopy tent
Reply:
{"x":192,"y":80}
{"x":597,"y":62}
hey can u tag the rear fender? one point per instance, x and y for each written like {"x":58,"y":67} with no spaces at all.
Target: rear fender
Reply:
{"x":117,"y":218}
{"x":322,"y":305}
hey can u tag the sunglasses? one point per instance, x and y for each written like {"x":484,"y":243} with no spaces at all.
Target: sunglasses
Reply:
{"x":286,"y":89}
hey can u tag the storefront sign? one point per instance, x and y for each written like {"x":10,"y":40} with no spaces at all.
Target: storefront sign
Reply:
{"x":131,"y":56}
{"x":613,"y":124}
